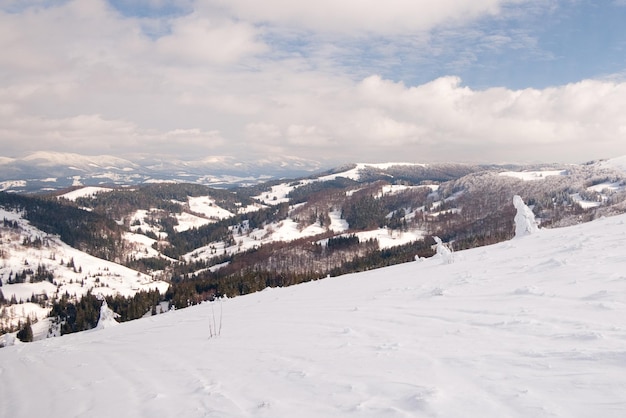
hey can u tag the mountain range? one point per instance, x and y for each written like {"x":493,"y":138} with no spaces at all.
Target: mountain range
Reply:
{"x":50,"y":171}
{"x":47,"y":171}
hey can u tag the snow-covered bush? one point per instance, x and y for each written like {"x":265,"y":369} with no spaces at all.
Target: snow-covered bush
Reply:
{"x":525,"y":223}
{"x":444,"y":252}
{"x":107,"y":316}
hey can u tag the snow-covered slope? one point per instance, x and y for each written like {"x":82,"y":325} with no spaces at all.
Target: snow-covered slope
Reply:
{"x":355,"y":173}
{"x":89,"y":191}
{"x":63,"y":269}
{"x":618,"y":163}
{"x":531,"y":327}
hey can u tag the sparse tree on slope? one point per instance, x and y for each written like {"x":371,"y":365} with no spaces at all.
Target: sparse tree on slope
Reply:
{"x":26,"y":333}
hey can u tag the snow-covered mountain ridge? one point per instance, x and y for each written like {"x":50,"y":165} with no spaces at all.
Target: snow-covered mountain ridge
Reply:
{"x":529,"y":327}
{"x":47,"y":171}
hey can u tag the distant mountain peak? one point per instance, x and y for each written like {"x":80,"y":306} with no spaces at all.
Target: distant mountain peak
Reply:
{"x":53,"y":158}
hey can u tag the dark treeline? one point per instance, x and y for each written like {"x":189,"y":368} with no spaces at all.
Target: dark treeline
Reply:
{"x":147,"y":264}
{"x":76,"y":315}
{"x":28,"y":275}
{"x":364,"y":211}
{"x":303,"y":193}
{"x":342,"y":242}
{"x":387,"y":257}
{"x":416,"y":174}
{"x":130,"y":308}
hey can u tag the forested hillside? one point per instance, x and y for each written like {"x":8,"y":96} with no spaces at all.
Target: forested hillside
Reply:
{"x":205,"y":242}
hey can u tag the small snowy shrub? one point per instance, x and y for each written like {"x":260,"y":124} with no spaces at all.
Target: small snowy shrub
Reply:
{"x":444,"y":252}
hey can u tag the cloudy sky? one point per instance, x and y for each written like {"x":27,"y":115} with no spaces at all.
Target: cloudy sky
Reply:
{"x":330,"y":80}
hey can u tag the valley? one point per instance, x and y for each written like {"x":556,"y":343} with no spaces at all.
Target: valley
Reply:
{"x":152,"y":247}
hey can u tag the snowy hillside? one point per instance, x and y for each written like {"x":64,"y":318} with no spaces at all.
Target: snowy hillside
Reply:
{"x":37,"y":267}
{"x":618,"y":163}
{"x":534,"y":326}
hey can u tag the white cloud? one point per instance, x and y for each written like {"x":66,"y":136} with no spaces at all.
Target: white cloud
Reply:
{"x":197,"y":40}
{"x":369,"y":16}
{"x":67,"y":37}
{"x":444,"y":120}
{"x":310,"y":136}
{"x":323,"y":117}
{"x":263,"y":132}
{"x":575,"y":121}
{"x":80,"y":76}
{"x":92,"y":134}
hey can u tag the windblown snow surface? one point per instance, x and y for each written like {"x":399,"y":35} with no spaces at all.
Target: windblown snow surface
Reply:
{"x":532,"y":327}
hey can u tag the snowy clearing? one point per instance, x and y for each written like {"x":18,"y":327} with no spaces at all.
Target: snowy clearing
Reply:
{"x":206,"y":206}
{"x":533,"y":175}
{"x":278,"y":193}
{"x":89,"y":191}
{"x":142,"y":245}
{"x":618,"y":163}
{"x":188,"y":221}
{"x":387,"y":238}
{"x":585,"y":204}
{"x":611,"y":187}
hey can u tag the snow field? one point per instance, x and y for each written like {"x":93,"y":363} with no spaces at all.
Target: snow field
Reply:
{"x":530,"y":327}
{"x":138,"y":221}
{"x":188,"y":221}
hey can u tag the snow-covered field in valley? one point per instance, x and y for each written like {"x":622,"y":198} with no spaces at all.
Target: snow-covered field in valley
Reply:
{"x":532,"y":327}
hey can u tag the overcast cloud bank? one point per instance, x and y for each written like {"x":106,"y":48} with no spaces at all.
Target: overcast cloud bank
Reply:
{"x":234,"y":78}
